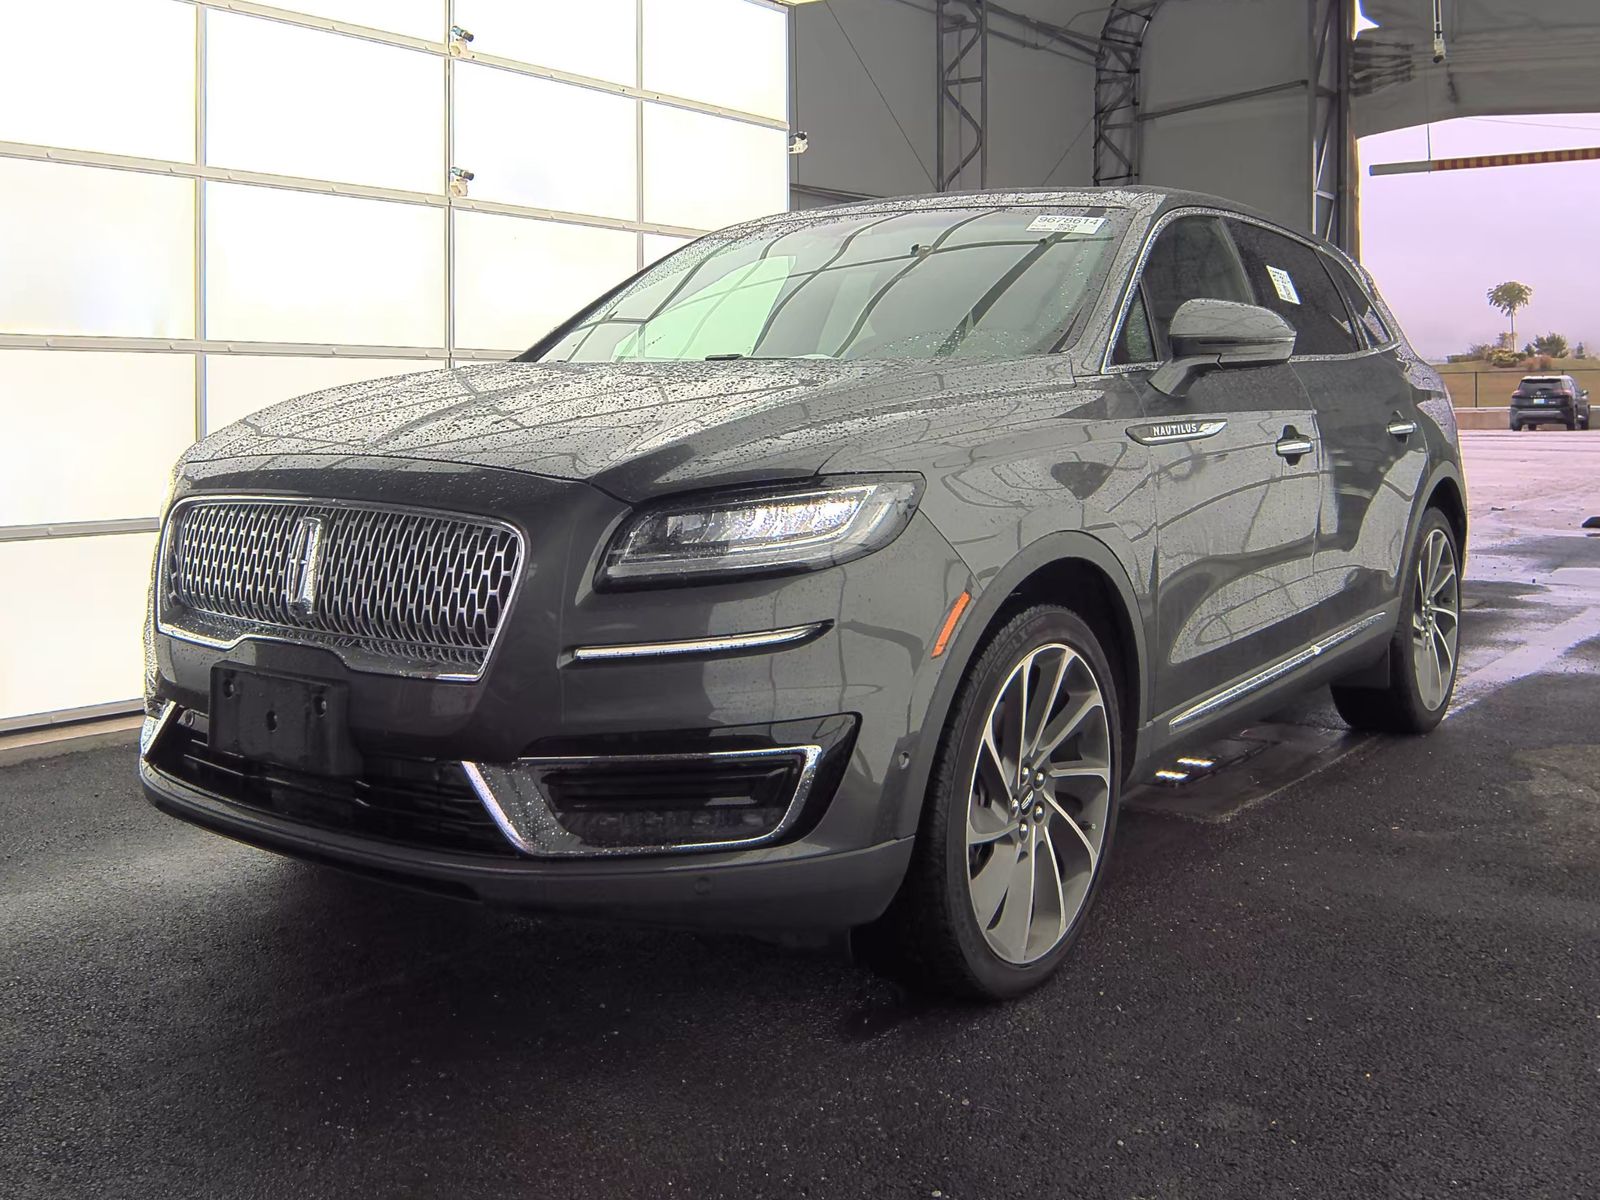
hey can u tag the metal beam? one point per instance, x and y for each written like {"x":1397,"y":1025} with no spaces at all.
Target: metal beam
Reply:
{"x":148,"y":345}
{"x":325,"y":187}
{"x":1473,"y":162}
{"x":1059,"y":34}
{"x":962,"y":34}
{"x":465,"y":53}
{"x":1035,"y":35}
{"x":1155,"y":114}
{"x":1332,"y":209}
{"x":1117,"y":134}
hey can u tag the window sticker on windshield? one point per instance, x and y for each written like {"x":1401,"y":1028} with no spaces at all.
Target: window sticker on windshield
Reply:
{"x":1056,"y":223}
{"x":1283,"y":285}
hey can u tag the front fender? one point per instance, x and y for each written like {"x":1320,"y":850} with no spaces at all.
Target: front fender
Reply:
{"x":989,"y":598}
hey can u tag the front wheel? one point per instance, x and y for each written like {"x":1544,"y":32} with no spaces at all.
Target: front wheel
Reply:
{"x":1424,"y":654}
{"x":1019,"y":816}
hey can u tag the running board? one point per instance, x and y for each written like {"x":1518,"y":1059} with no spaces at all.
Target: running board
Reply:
{"x":1248,"y":687}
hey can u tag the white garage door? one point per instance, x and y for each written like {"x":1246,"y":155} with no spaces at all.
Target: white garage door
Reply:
{"x":204,"y":211}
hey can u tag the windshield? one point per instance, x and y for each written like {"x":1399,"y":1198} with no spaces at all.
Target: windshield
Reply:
{"x":960,"y":282}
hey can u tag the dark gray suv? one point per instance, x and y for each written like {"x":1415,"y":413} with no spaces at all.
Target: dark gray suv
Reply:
{"x":838,"y":571}
{"x":1549,"y":400}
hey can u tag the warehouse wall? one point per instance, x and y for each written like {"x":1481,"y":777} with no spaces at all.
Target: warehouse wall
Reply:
{"x":204,"y":211}
{"x":1254,"y":151}
{"x":1039,"y":101}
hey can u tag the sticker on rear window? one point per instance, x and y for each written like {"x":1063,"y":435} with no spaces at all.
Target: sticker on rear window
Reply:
{"x":1283,"y":285}
{"x":1056,"y":223}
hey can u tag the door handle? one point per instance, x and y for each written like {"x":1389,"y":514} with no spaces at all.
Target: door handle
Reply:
{"x":1400,"y":428}
{"x":1293,"y":445}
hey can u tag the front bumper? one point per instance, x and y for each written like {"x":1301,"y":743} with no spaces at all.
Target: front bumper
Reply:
{"x":753,"y":891}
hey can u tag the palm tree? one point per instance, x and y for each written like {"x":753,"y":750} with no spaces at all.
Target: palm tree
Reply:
{"x":1508,"y":297}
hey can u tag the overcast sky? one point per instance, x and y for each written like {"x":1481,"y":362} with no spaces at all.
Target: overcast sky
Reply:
{"x":1437,"y":242}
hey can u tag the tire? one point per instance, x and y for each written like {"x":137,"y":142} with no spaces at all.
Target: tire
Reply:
{"x":1572,"y":424}
{"x":1516,"y":428}
{"x":976,"y":839}
{"x":1429,"y":632}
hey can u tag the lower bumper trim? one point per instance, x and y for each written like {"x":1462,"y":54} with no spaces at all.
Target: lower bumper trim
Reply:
{"x":757,"y":891}
{"x":516,"y":797}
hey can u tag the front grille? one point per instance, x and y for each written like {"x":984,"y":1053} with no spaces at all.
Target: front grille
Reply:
{"x":393,"y":588}
{"x":410,"y":802}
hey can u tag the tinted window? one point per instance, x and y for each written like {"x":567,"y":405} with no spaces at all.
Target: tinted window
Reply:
{"x":1135,"y":344}
{"x":1289,"y":278}
{"x":918,"y":284}
{"x":1191,"y":260}
{"x":1367,"y":317}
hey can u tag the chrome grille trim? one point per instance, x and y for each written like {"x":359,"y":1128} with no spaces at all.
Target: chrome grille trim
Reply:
{"x":398,"y":590}
{"x":519,"y":806}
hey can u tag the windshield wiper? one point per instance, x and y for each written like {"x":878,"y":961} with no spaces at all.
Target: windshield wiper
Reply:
{"x":760,"y":357}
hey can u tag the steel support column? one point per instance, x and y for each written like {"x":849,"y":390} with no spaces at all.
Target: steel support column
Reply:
{"x":962,"y":32}
{"x":1332,"y":210}
{"x":1116,"y":91}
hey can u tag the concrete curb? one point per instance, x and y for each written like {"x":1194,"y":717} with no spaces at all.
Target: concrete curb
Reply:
{"x":68,"y":739}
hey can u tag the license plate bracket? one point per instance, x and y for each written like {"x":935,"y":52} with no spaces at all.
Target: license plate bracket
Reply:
{"x":284,"y":720}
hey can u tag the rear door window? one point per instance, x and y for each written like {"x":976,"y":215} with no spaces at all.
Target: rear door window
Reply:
{"x":1289,"y":278}
{"x":1369,"y":321}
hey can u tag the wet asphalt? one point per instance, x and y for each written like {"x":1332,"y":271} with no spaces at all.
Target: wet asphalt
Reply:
{"x":1379,"y":977}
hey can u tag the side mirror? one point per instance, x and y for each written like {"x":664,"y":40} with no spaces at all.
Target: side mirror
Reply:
{"x":1208,"y":334}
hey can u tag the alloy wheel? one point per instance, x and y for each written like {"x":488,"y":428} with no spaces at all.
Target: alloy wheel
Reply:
{"x":1038,"y":803}
{"x":1435,"y":619}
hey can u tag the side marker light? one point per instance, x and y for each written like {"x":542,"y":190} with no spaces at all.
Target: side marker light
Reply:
{"x":949,"y":627}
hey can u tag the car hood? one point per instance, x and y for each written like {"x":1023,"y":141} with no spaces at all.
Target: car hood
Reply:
{"x":632,"y":429}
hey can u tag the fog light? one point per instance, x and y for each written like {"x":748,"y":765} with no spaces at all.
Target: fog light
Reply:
{"x":643,"y":803}
{"x":666,"y":805}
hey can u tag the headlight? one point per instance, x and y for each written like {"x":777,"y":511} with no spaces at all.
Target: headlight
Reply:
{"x":796,"y":529}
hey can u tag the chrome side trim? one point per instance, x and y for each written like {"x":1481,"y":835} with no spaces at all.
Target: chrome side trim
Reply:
{"x":1167,"y":433}
{"x":512,"y":796}
{"x":152,"y":729}
{"x":1274,"y":673}
{"x":730,"y":644}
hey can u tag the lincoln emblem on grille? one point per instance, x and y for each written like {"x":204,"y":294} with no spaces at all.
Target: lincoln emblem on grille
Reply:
{"x":305,"y":566}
